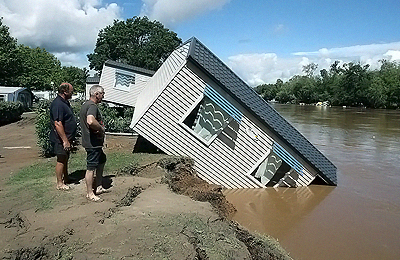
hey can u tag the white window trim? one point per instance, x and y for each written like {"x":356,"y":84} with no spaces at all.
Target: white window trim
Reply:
{"x":188,"y":129}
{"x":264,"y":157}
{"x":125,"y":73}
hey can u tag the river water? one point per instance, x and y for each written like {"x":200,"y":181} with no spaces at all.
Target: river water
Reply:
{"x":358,"y":219}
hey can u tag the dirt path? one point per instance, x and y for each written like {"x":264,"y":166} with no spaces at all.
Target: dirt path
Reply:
{"x":17,"y":146}
{"x":141,"y":218}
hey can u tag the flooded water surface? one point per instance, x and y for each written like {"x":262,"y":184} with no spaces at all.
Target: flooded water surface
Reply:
{"x":358,"y":219}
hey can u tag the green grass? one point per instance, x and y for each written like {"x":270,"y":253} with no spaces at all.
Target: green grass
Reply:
{"x":118,"y":160}
{"x":36,"y":183}
{"x":33,"y":183}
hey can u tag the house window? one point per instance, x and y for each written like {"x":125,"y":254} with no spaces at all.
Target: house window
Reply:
{"x":207,"y":119}
{"x":2,"y":97}
{"x":123,"y":81}
{"x":279,"y":168}
{"x":210,"y":115}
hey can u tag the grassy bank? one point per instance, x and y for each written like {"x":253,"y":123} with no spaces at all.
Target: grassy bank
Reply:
{"x":37,"y":181}
{"x":190,"y":234}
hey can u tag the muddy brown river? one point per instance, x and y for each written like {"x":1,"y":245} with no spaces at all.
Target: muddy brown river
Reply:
{"x":358,"y":219}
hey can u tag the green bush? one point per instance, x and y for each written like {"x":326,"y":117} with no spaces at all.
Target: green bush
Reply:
{"x":10,"y":112}
{"x":116,"y":119}
{"x":43,"y":127}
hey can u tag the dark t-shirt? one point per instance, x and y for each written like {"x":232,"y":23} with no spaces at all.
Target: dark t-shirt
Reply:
{"x":89,"y":138}
{"x":60,"y":110}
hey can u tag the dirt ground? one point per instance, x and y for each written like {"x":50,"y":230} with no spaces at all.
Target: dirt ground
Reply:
{"x":140,"y":218}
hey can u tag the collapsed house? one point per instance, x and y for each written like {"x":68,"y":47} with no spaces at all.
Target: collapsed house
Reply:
{"x":195,"y":106}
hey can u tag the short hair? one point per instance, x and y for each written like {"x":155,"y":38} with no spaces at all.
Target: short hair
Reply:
{"x":64,"y":87}
{"x":94,"y":89}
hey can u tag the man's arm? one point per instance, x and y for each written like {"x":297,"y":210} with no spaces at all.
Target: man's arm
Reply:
{"x":61,"y":132}
{"x":95,"y":125}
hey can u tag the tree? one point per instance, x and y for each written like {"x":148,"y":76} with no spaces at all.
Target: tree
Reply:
{"x":75,"y":76}
{"x":303,"y":88}
{"x":310,"y":69}
{"x":285,"y":94}
{"x":389,"y":75}
{"x":138,"y":42}
{"x":40,"y":68}
{"x":354,"y":83}
{"x":9,"y":63}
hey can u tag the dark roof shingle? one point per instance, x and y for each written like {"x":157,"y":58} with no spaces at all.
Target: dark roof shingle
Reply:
{"x":116,"y":64}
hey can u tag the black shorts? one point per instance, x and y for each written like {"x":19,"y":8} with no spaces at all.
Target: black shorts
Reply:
{"x":95,"y":157}
{"x":58,"y":149}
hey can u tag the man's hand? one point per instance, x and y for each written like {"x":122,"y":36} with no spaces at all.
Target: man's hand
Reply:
{"x":67,"y":146}
{"x":61,"y":132}
{"x":101,"y":132}
{"x":95,"y":126}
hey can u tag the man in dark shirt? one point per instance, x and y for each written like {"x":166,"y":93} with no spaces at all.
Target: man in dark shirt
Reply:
{"x":63,"y":132}
{"x":93,"y":134}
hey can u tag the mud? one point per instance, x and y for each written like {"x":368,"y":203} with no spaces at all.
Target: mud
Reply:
{"x":260,"y":247}
{"x":51,"y":248}
{"x":130,"y":196}
{"x":18,"y":221}
{"x":182,"y":179}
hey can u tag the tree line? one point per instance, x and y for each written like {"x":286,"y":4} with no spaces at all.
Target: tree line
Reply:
{"x":347,"y":84}
{"x":136,"y":41}
{"x":34,"y":68}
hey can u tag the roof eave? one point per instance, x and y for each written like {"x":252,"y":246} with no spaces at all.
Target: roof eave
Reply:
{"x":135,"y":69}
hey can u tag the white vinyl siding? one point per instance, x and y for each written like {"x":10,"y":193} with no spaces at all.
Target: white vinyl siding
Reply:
{"x":237,"y":151}
{"x":157,"y":83}
{"x":124,"y":94}
{"x":218,"y":163}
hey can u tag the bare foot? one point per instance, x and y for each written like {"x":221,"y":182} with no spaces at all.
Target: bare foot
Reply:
{"x":63,"y":187}
{"x":94,"y":198}
{"x":101,"y":190}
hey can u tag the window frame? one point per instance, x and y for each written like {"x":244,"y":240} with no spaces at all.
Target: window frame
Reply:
{"x":188,"y":129}
{"x":126,"y":74}
{"x":286,"y":157}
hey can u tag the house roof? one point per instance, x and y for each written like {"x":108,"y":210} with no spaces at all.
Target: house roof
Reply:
{"x":245,"y":95}
{"x":8,"y":90}
{"x":93,"y":80}
{"x":115,"y":64}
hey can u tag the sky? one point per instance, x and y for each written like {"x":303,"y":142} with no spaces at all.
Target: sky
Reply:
{"x":260,"y":40}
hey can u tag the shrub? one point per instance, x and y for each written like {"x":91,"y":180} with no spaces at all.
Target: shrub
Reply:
{"x":43,"y":127}
{"x":116,"y":119}
{"x":10,"y":112}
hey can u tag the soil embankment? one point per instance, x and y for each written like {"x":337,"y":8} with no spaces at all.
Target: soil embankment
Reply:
{"x":159,"y":210}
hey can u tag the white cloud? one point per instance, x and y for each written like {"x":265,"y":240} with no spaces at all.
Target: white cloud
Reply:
{"x":393,"y":55}
{"x":66,"y":28}
{"x":171,"y":12}
{"x":259,"y":68}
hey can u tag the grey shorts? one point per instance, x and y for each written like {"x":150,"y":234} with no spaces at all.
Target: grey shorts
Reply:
{"x":95,"y":157}
{"x":58,"y":149}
